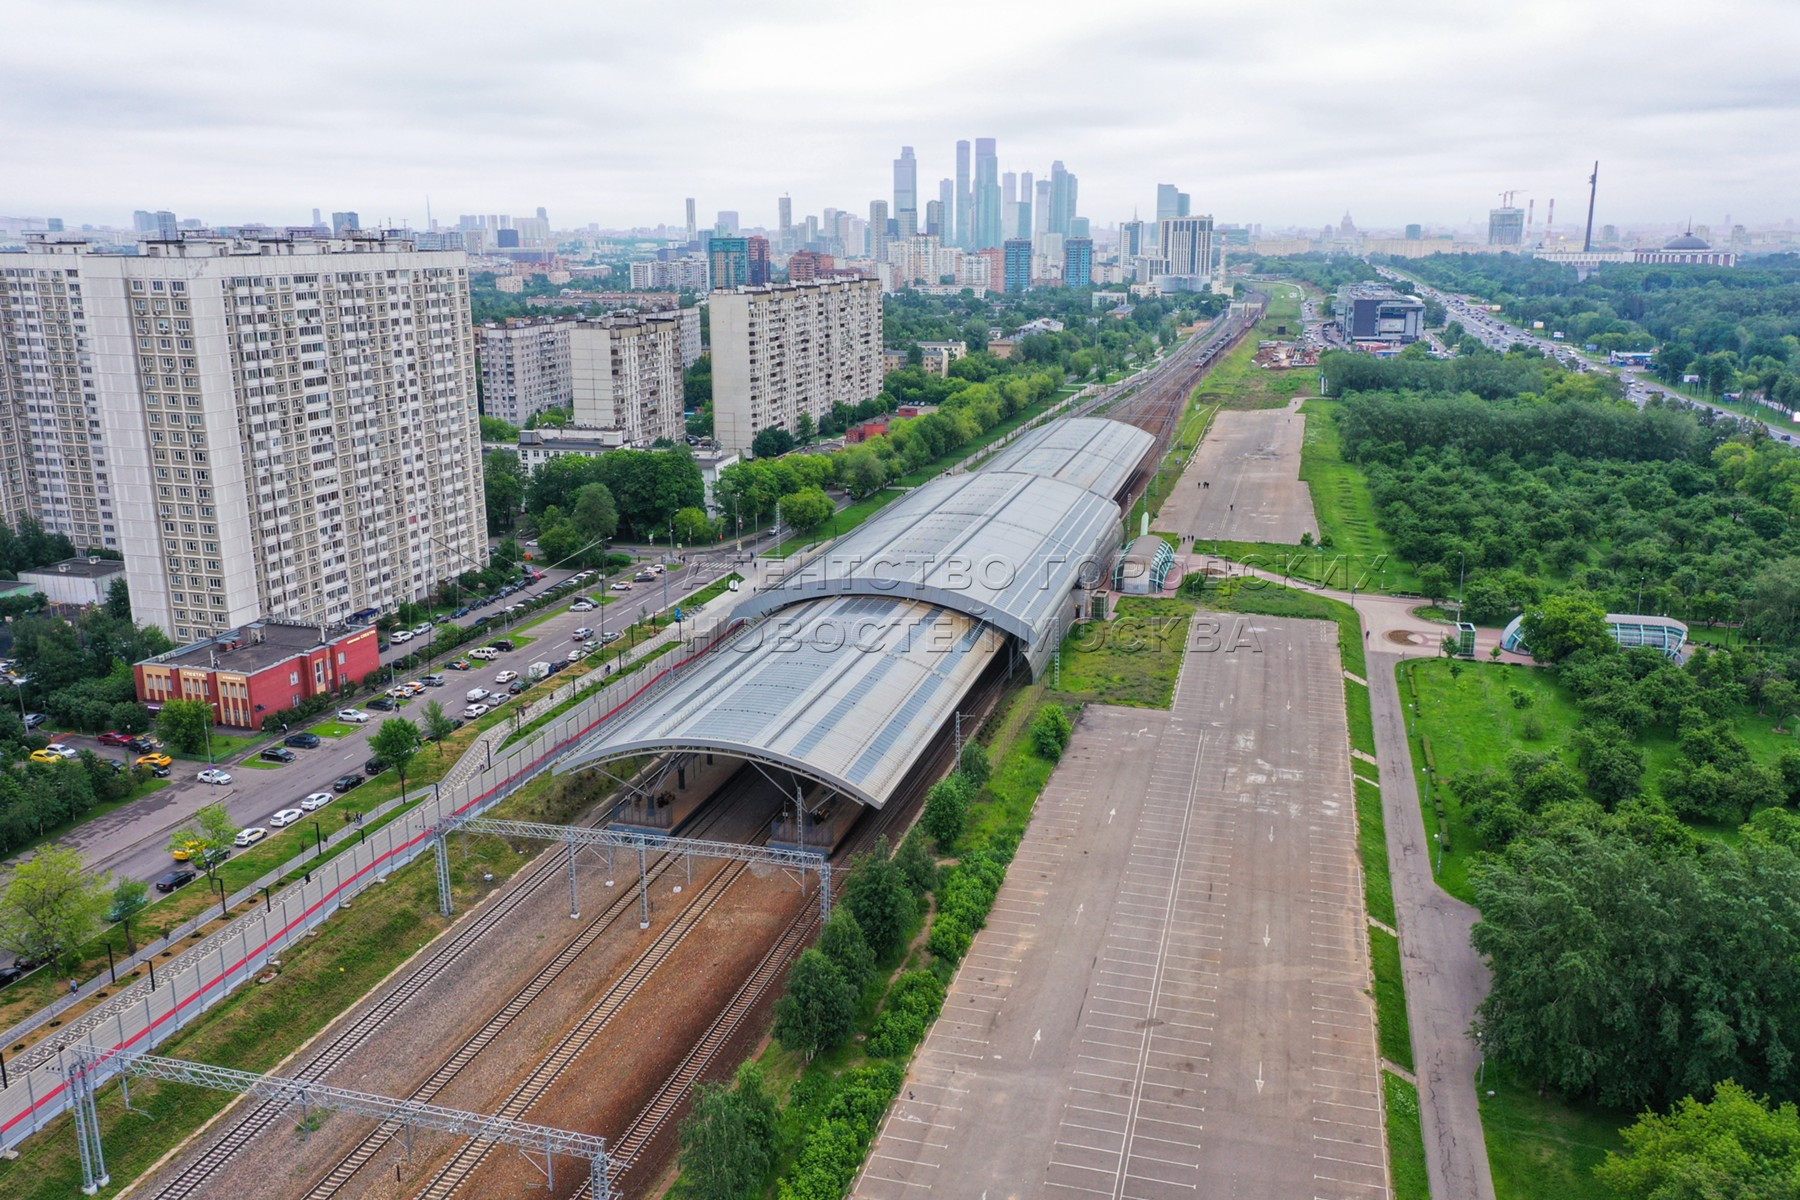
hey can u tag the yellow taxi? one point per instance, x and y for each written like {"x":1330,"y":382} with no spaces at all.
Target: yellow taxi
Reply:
{"x":154,"y":760}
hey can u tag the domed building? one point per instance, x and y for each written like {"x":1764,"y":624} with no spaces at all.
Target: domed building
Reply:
{"x":1688,"y":250}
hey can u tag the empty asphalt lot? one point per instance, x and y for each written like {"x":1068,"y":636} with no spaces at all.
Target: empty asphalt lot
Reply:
{"x":1169,"y":998}
{"x":1250,"y":462}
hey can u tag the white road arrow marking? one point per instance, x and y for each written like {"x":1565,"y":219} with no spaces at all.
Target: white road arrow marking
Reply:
{"x":1265,"y":937}
{"x":1035,"y":1039}
{"x":1079,"y":908}
{"x":1110,"y":815}
{"x":1259,"y":1078}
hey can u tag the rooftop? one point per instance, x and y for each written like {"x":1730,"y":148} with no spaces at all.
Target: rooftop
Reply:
{"x":89,"y":568}
{"x":255,"y":647}
{"x":1092,"y":453}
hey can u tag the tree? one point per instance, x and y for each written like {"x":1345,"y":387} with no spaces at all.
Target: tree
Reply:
{"x":128,"y":898}
{"x":595,"y":516}
{"x":207,"y":838}
{"x":818,"y":1011}
{"x":842,"y":941}
{"x":118,"y":599}
{"x":803,"y":428}
{"x":946,"y":811}
{"x":185,"y":724}
{"x":498,"y":429}
{"x":396,"y":743}
{"x":1733,"y":1145}
{"x":52,"y":904}
{"x":503,"y":484}
{"x":1563,"y":624}
{"x":1772,"y":611}
{"x":974,"y":766}
{"x":438,"y":724}
{"x":693,"y":527}
{"x":1781,"y":698}
{"x":878,"y":897}
{"x":728,"y":1139}
{"x":771,"y":442}
{"x":1434,"y":582}
{"x":807,"y":508}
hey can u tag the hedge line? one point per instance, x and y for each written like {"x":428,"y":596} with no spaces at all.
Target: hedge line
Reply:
{"x":835,"y":1148}
{"x":965,"y":895}
{"x":911,"y":1007}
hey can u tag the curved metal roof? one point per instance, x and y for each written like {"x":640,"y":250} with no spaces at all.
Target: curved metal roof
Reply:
{"x":844,"y":690}
{"x":1002,"y":546}
{"x":1089,"y":452}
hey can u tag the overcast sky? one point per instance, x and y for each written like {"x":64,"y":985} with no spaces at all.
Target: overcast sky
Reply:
{"x":604,"y":111}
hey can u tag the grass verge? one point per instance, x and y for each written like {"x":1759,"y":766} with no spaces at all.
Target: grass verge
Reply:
{"x":1406,"y":1141}
{"x":1371,"y":824}
{"x":840,"y":523}
{"x":1343,"y":502}
{"x":1132,"y":659}
{"x":1395,"y":1031}
{"x":1539,"y":1146}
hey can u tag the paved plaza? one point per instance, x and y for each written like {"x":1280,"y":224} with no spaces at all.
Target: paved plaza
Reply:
{"x":1250,"y":462}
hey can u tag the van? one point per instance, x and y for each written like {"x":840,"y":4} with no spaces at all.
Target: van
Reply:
{"x":475,"y":694}
{"x":537,"y":670}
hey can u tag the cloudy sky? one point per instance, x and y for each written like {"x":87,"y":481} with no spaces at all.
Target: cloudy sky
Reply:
{"x":1289,"y":113}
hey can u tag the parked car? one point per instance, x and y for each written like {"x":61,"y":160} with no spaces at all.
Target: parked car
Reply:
{"x":583,"y":606}
{"x":506,"y":676}
{"x":33,"y":720}
{"x":45,"y":756}
{"x":285,"y":817}
{"x":577,"y":654}
{"x":515,"y":687}
{"x":302,"y":741}
{"x":113,"y":737}
{"x":178,"y":878}
{"x":461,"y":664}
{"x":214,"y":775}
{"x":433,"y":680}
{"x":401,"y":635}
{"x":158,"y":772}
{"x":144,"y":743}
{"x":375,"y":766}
{"x":314,"y":801}
{"x":354,"y":716}
{"x":475,"y":710}
{"x":154,"y":759}
{"x":503,"y":644}
{"x":475,"y":693}
{"x":610,"y":636}
{"x":62,"y":750}
{"x":622,"y":586}
{"x":250,"y":836}
{"x":280,"y":754}
{"x":485,"y":653}
{"x":383,"y":704}
{"x":344,"y":783}
{"x":414,"y":688}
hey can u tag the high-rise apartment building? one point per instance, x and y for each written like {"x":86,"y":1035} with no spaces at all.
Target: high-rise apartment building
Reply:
{"x":1187,"y":246}
{"x":1062,"y":198}
{"x":805,"y":266}
{"x":934,"y":219}
{"x":1021,"y":226}
{"x":906,"y":188}
{"x":790,"y":349}
{"x":727,"y":223}
{"x":1078,"y":262}
{"x":278,"y":427}
{"x":1040,"y":213}
{"x":878,"y":223}
{"x":686,"y":274}
{"x":1506,"y":226}
{"x":756,"y":251}
{"x":987,"y":215}
{"x":1018,"y":264}
{"x":626,"y":371}
{"x":728,"y":260}
{"x":965,"y":200}
{"x":524,"y":366}
{"x":947,"y":211}
{"x":784,"y":224}
{"x":693,"y":228}
{"x":345,"y":222}
{"x":159,"y":224}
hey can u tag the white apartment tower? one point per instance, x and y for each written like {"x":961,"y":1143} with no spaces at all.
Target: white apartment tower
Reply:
{"x":627,"y":373}
{"x":266,"y":428}
{"x":524,"y":366}
{"x":787,"y":349}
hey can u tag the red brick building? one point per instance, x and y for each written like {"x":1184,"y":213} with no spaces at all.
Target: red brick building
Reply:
{"x":258,"y":670}
{"x":807,"y":266}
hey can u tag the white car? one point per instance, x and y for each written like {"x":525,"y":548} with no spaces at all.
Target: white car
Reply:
{"x":250,"y":836}
{"x":65,"y":751}
{"x":315,"y":801}
{"x":583,"y":606}
{"x":622,"y":586}
{"x":213,"y":775}
{"x":354,"y":716}
{"x":475,"y":710}
{"x":421,"y":630}
{"x":286,"y":816}
{"x":577,"y":654}
{"x":484,"y":653}
{"x":506,"y":677}
{"x":582,"y":634}
{"x":401,"y":635}
{"x":474,"y":694}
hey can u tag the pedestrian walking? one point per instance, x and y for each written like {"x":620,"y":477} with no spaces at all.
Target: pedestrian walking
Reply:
{"x":74,"y":988}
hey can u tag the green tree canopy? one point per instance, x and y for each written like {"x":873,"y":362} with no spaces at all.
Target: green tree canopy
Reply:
{"x":396,"y":743}
{"x":818,"y":1011}
{"x":185,"y":724}
{"x":1563,"y":624}
{"x":807,"y":508}
{"x":1732,"y":1145}
{"x":52,"y":904}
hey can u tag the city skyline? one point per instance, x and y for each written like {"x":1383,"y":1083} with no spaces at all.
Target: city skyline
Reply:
{"x":1252,"y":116}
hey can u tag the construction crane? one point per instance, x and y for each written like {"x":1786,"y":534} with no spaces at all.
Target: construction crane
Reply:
{"x":1506,"y":198}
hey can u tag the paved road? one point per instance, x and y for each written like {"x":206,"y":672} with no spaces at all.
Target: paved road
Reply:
{"x":132,"y":841}
{"x":1250,"y":464}
{"x":1169,"y":998}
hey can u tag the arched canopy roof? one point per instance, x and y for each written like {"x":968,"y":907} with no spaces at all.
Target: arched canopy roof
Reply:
{"x":1089,"y":452}
{"x":844,"y":690}
{"x":1001,"y":546}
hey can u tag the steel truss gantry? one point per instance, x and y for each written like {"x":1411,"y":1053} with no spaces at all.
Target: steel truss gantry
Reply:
{"x":529,"y":1138}
{"x":579,"y":837}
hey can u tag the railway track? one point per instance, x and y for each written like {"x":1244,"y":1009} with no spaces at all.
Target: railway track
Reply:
{"x":198,"y":1178}
{"x":568,"y":1048}
{"x":346,"y":1168}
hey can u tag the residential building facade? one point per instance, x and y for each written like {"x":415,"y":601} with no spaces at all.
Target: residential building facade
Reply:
{"x":791,"y":349}
{"x":626,"y":373}
{"x":524,"y":366}
{"x":266,"y":427}
{"x":249,"y":673}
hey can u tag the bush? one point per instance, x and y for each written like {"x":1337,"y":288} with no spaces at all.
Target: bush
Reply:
{"x":967,"y":894}
{"x":973,"y":765}
{"x":911,"y":1007}
{"x":947,"y":810}
{"x":835,"y":1146}
{"x":1050,"y":732}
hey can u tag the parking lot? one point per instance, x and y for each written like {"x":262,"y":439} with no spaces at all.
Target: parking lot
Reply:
{"x":1168,"y":1000}
{"x":1249,"y":464}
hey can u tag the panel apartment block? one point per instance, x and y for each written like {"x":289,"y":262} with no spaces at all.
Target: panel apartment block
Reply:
{"x":524,"y":367}
{"x":279,"y":427}
{"x":789,"y":349}
{"x":627,"y":373}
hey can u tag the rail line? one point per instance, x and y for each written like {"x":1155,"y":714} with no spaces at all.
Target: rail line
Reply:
{"x":334,"y":1180}
{"x":198,"y":1177}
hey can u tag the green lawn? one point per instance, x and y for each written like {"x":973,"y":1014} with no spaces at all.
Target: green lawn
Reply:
{"x":1132,"y":659}
{"x":1395,"y":1031}
{"x":224,"y":746}
{"x":1235,"y":382}
{"x":1005,"y":803}
{"x":261,"y":764}
{"x":1540,"y":1147}
{"x":1378,"y":888}
{"x":333,"y":729}
{"x":1406,"y":1142}
{"x":1343,"y":503}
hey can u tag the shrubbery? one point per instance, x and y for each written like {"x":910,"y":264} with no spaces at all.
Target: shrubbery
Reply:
{"x":835,"y":1147}
{"x":911,"y":1007}
{"x":1050,"y":732}
{"x":967,"y":894}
